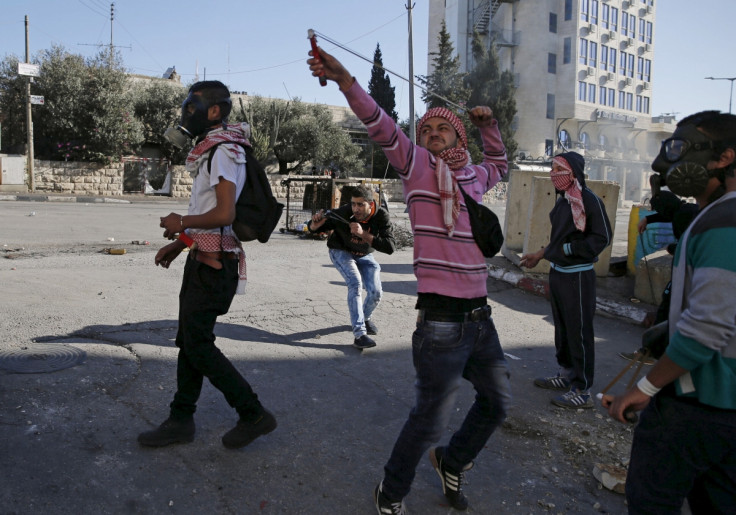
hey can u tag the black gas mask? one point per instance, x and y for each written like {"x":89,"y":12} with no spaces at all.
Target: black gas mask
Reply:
{"x":194,"y":120}
{"x":683,"y":159}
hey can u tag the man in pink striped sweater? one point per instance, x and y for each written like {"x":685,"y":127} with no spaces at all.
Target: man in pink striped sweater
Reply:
{"x":455,"y":336}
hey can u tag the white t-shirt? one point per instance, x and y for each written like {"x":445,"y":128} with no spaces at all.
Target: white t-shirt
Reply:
{"x":204,"y":197}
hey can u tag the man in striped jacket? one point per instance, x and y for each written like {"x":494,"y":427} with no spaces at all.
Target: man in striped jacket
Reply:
{"x":684,"y":445}
{"x":455,"y":336}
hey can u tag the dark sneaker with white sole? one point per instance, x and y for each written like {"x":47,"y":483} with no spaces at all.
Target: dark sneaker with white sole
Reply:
{"x":553,"y":383}
{"x":364,"y":342}
{"x":452,"y":480}
{"x":574,"y":399}
{"x":386,"y":506}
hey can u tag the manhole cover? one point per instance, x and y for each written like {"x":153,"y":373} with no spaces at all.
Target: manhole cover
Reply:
{"x":38,"y":358}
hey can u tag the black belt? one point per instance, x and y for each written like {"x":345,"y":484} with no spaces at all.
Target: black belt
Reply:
{"x":477,"y":315}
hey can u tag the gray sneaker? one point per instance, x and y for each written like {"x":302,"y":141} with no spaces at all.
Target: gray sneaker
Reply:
{"x":553,"y":383}
{"x":574,"y":399}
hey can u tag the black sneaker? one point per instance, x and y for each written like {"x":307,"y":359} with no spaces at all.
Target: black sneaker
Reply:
{"x":386,"y":507}
{"x":364,"y":342}
{"x":245,"y":431}
{"x":452,"y":480}
{"x":553,"y":383}
{"x":370,"y":327}
{"x":170,"y":431}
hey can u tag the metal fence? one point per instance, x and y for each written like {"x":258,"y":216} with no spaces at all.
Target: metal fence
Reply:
{"x":306,"y":196}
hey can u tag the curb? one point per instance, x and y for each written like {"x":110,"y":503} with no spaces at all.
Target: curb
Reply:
{"x":47,"y":198}
{"x":540,"y":287}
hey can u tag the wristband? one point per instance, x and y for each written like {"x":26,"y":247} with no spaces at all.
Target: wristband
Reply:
{"x":181,"y":222}
{"x":646,"y":387}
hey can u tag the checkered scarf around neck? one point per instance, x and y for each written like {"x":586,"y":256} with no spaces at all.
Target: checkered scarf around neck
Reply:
{"x":448,"y":161}
{"x":235,"y":133}
{"x":564,"y":180}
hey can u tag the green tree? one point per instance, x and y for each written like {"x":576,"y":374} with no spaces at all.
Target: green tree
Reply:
{"x":297,"y":134}
{"x":157,"y":105}
{"x":12,"y":106}
{"x":490,"y":86}
{"x":446,"y":78}
{"x":384,"y":94}
{"x":87,"y":112}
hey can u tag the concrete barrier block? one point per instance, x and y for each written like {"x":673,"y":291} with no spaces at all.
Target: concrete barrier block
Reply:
{"x":653,"y":272}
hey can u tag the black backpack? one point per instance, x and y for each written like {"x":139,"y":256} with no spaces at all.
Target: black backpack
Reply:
{"x":257,"y":212}
{"x":485,"y":226}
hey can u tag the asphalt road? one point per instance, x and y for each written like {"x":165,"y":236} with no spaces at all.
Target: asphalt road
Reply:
{"x":69,"y":436}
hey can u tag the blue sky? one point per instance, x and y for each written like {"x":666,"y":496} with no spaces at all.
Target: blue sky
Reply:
{"x":260,"y":46}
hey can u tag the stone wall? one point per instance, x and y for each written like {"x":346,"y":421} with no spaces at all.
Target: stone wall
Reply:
{"x":79,"y":178}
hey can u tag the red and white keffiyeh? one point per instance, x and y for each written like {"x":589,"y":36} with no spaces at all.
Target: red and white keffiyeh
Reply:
{"x":235,"y":133}
{"x":564,"y":180}
{"x":448,"y":161}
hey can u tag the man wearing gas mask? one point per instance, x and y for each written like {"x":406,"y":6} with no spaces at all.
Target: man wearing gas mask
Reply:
{"x":214,"y":270}
{"x":684,"y":445}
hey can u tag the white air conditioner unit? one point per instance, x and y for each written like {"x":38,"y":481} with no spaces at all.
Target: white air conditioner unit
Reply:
{"x":610,"y":76}
{"x":645,"y":86}
{"x":647,"y":47}
{"x":612,"y":35}
{"x":649,"y":9}
{"x":592,"y":28}
{"x":628,"y":81}
{"x":590,"y":71}
{"x":629,"y":42}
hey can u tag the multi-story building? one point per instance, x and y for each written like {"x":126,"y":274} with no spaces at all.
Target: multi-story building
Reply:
{"x":583,"y":76}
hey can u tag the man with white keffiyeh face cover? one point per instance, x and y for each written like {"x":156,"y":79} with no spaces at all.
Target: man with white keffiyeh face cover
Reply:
{"x":455,"y":336}
{"x":580,"y":232}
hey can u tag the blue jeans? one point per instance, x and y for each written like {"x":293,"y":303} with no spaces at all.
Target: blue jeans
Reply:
{"x":682,"y":450}
{"x":359,"y":272}
{"x":443,"y":353}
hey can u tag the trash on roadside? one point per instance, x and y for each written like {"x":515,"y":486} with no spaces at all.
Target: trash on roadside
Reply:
{"x":33,"y":213}
{"x":115,"y":252}
{"x":111,"y":239}
{"x":139,"y":242}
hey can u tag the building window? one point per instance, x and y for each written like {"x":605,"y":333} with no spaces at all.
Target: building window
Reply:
{"x":638,"y":103}
{"x":549,"y":147}
{"x":640,"y":68}
{"x":625,"y":23}
{"x":604,"y":57}
{"x":630,"y":65}
{"x":630,"y":101}
{"x":602,"y":96}
{"x":605,"y":15}
{"x":642,"y":29}
{"x":623,"y":63}
{"x":614,"y":18}
{"x":550,"y":106}
{"x":582,"y":91}
{"x":593,"y":55}
{"x":564,"y":138}
{"x":611,"y":97}
{"x":648,"y":38}
{"x":647,"y":70}
{"x":632,"y":26}
{"x":621,"y":99}
{"x":552,"y":63}
{"x":585,"y":10}
{"x":612,"y":60}
{"x":566,"y":50}
{"x":591,"y":93}
{"x":646,"y":105}
{"x":594,"y":12}
{"x":568,"y":10}
{"x":585,"y":140}
{"x":553,"y":23}
{"x":583,"y":51}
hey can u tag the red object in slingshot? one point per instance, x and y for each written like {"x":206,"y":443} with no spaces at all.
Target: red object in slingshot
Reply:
{"x":315,"y":54}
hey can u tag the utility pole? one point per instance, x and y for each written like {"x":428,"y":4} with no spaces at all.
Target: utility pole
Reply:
{"x":730,"y":98}
{"x":412,"y":127}
{"x":112,"y":17}
{"x":29,"y":116}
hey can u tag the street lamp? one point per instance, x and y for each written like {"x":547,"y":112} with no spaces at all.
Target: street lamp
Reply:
{"x":726,"y":78}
